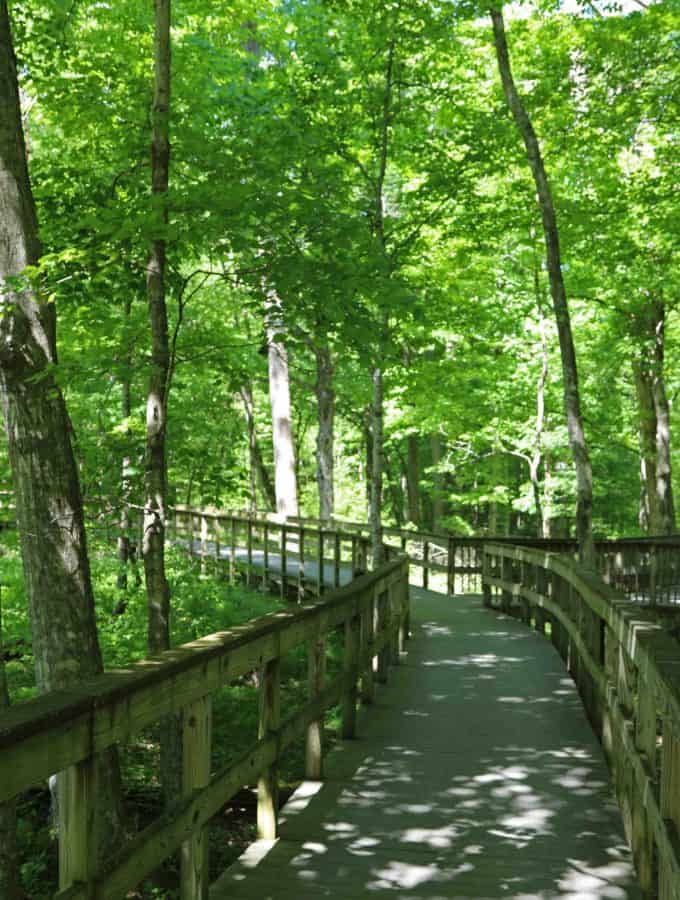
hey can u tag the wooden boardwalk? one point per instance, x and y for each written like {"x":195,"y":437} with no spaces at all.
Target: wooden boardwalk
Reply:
{"x":476,"y":775}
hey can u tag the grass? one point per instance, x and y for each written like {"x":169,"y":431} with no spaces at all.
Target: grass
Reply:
{"x":201,"y":604}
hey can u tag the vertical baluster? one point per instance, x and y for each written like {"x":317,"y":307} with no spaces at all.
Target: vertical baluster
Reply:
{"x":337,"y":553}
{"x":232,"y":552}
{"x":321,"y":586}
{"x":265,"y":539}
{"x":383,"y":635}
{"x":301,"y":563}
{"x":270,"y":720}
{"x":196,"y":746}
{"x":367,"y":635}
{"x":350,"y":667}
{"x":204,"y":543}
{"x":284,"y":561}
{"x":218,"y":544}
{"x":426,"y":564}
{"x":249,"y":544}
{"x":316,"y":675}
{"x":354,"y":556}
{"x":77,"y":791}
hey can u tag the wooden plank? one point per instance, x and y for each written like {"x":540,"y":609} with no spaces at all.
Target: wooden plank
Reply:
{"x":269,"y":724}
{"x":196,"y":748}
{"x":316,"y":675}
{"x":351,"y":671}
{"x":77,"y":794}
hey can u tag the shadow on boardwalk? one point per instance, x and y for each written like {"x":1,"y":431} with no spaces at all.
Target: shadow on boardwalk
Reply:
{"x":474,"y":775}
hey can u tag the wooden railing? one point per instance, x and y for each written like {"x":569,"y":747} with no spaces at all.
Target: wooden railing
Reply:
{"x":627,"y":670}
{"x":65,"y":732}
{"x":647,"y":570}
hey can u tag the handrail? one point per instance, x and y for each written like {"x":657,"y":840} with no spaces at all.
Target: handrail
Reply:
{"x":646,"y":569}
{"x":627,"y":669}
{"x":66,"y":731}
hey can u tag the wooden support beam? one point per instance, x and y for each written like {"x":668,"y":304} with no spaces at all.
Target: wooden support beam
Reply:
{"x":350,"y":667}
{"x":316,"y":676}
{"x":196,"y":748}
{"x":269,"y":723}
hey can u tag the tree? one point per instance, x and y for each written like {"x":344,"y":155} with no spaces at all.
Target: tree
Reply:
{"x":572,"y":398}
{"x":46,"y":484}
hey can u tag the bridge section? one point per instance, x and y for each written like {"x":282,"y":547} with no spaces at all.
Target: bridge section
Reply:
{"x":476,"y":774}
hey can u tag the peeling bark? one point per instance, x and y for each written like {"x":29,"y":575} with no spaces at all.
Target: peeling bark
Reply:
{"x":572,"y":399}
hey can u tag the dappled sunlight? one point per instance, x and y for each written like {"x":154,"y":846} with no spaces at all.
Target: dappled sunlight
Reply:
{"x":476,"y":776}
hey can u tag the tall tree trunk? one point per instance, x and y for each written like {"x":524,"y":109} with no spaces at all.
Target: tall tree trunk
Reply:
{"x":257,"y":466}
{"x":126,"y":411}
{"x":49,"y":509}
{"x":413,"y":478}
{"x":285,"y":480}
{"x":368,"y":446}
{"x":654,"y":415}
{"x":377,"y":465}
{"x":325,"y":399}
{"x":649,"y":507}
{"x":572,"y":401}
{"x":664,"y":485}
{"x":9,"y":860}
{"x":437,"y":480}
{"x":537,"y":455}
{"x":155,"y":506}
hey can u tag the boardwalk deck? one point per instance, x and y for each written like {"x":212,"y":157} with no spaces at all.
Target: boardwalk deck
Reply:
{"x":476,"y":775}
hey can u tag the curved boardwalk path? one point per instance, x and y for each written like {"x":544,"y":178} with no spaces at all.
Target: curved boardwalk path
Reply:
{"x":476,"y":775}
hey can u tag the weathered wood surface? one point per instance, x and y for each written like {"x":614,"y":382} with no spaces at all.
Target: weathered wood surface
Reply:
{"x":475,"y":775}
{"x":627,"y":671}
{"x":68,"y":729}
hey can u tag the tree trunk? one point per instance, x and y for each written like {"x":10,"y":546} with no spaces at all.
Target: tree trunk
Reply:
{"x":437,"y":480}
{"x":664,"y":485}
{"x":368,"y":445}
{"x":124,"y":524}
{"x":155,"y":506}
{"x":535,"y":461}
{"x":285,"y":480}
{"x":257,"y":466}
{"x":649,"y":507}
{"x":377,"y":465}
{"x":413,"y":478}
{"x":325,"y":399}
{"x":49,"y":510}
{"x":572,"y":401}
{"x":654,"y":414}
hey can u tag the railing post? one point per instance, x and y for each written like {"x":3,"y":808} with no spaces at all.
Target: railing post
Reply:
{"x":196,"y":747}
{"x":337,"y":560}
{"x":301,"y":563}
{"x":670,"y":800}
{"x":270,"y":720}
{"x":426,"y":564}
{"x":507,"y":577}
{"x":232,"y":552}
{"x":486,"y":574}
{"x":351,"y":671}
{"x":218,"y":542}
{"x":367,"y":635}
{"x":284,"y":561}
{"x":316,"y":673}
{"x":451,"y":567}
{"x":394,"y":622}
{"x":320,"y":575}
{"x":382,"y":633}
{"x":265,"y":536}
{"x":204,"y":543}
{"x":77,"y":793}
{"x":249,"y":543}
{"x":405,"y":611}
